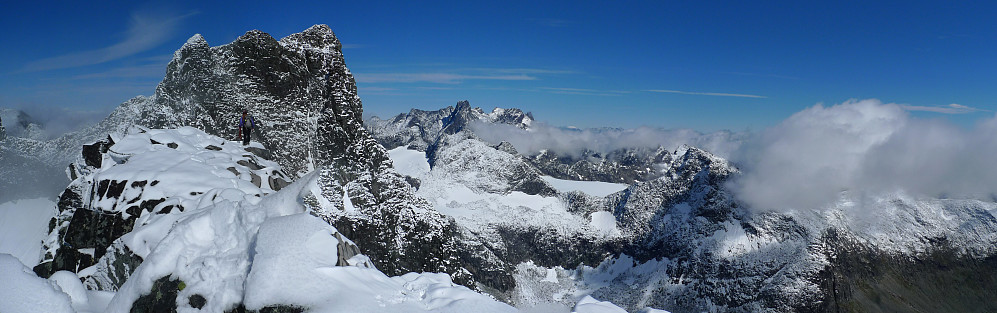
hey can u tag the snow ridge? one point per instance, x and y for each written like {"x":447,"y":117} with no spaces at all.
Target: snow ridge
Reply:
{"x":219,"y":236}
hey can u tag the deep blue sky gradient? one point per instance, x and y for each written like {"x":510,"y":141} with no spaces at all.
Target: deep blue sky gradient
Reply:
{"x":586,"y":64}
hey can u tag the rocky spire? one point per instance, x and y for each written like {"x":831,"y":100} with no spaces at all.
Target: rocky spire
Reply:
{"x":305,"y":101}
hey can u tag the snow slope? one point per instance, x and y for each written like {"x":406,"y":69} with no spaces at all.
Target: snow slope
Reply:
{"x":594,"y":188}
{"x":409,"y":162}
{"x":232,"y":240}
{"x":23,"y":226}
{"x":22,"y":291}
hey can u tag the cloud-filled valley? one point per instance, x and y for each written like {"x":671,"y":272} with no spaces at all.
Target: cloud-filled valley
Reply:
{"x":865,"y":147}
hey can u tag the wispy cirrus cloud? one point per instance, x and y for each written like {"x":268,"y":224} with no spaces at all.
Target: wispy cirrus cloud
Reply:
{"x":718,"y":94}
{"x":442,"y":73}
{"x":441,"y":78}
{"x":146,"y":30}
{"x":525,"y":71}
{"x":584,"y":91}
{"x":946,"y":109}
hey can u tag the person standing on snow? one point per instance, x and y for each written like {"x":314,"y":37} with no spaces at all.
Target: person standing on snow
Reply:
{"x":246,"y":126}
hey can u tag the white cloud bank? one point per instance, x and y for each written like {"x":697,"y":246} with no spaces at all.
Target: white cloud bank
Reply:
{"x":953,"y":108}
{"x":864,"y":147}
{"x":572,"y":141}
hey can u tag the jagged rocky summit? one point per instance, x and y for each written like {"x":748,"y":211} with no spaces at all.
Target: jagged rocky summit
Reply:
{"x":304,"y":99}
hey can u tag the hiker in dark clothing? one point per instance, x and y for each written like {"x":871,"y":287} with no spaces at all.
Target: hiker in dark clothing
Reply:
{"x":246,"y":126}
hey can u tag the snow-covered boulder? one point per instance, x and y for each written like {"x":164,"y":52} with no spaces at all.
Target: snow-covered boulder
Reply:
{"x":139,"y":178}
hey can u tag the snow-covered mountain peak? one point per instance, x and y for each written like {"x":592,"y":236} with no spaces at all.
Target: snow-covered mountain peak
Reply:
{"x":512,"y":116}
{"x":317,"y":36}
{"x":255,"y":37}
{"x":195,"y":40}
{"x":194,"y":43}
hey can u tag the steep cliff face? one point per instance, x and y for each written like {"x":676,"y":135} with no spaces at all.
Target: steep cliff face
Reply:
{"x":308,"y":114}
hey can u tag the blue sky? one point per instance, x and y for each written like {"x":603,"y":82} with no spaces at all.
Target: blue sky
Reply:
{"x":692,"y":64}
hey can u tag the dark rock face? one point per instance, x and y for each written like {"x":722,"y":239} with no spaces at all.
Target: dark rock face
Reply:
{"x":96,"y":230}
{"x":114,"y":268}
{"x":197,"y":301}
{"x":862,"y":278}
{"x":423,"y":244}
{"x":458,"y":119}
{"x":547,"y":248}
{"x":89,"y":227}
{"x":95,"y":212}
{"x":161,"y":298}
{"x":620,"y":166}
{"x":92,"y":153}
{"x":65,"y":259}
{"x":308,"y":115}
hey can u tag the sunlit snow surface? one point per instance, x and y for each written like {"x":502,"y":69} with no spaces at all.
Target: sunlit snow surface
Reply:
{"x":409,"y":162}
{"x":595,"y":188}
{"x":234,"y":243}
{"x":23,"y":226}
{"x":467,"y":184}
{"x":463,"y":192}
{"x":23,"y":291}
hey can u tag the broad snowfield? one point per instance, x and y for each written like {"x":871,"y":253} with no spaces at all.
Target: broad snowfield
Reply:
{"x":409,"y":162}
{"x":594,"y":188}
{"x":470,"y":186}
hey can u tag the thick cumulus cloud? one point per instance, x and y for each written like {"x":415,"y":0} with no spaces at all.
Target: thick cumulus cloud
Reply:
{"x":573,"y":141}
{"x":865,"y":148}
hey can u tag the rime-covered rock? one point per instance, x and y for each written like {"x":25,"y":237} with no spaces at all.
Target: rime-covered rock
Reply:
{"x":135,"y":179}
